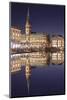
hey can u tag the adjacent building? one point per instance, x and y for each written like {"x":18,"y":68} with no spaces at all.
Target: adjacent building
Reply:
{"x":57,"y":41}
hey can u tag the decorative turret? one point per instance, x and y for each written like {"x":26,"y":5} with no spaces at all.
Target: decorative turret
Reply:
{"x":27,"y":25}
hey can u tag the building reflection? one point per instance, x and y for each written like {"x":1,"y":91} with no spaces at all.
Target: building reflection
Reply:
{"x":57,"y":57}
{"x":34,"y":60}
{"x":38,"y":59}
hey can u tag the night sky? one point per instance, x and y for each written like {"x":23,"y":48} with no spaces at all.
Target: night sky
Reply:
{"x":44,"y":18}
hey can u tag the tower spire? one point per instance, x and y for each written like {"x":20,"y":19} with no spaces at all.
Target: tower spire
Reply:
{"x":28,"y":12}
{"x":28,"y":25}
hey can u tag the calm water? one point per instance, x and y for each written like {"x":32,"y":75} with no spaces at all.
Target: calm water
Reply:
{"x":46,"y":79}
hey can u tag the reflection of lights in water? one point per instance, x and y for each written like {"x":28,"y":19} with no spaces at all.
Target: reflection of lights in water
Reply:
{"x":28,"y":72}
{"x":37,"y":59}
{"x":57,"y":57}
{"x":30,"y":60}
{"x":58,"y":42}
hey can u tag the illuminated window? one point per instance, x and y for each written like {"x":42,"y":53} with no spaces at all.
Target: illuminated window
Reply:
{"x":62,"y":55}
{"x":59,"y":58}
{"x":54,"y":56}
{"x":18,"y":35}
{"x":62,"y":43}
{"x":59,"y":54}
{"x":16,"y":65}
{"x":13,"y":46}
{"x":54,"y":43}
{"x":59,"y":43}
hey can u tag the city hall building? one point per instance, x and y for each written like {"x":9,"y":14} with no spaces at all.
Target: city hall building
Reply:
{"x":28,"y":39}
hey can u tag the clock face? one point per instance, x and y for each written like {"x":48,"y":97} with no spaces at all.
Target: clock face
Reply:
{"x":27,"y":31}
{"x":27,"y":28}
